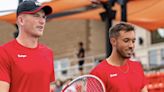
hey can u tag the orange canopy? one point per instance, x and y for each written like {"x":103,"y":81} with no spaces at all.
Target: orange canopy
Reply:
{"x":146,"y":13}
{"x":57,"y":5}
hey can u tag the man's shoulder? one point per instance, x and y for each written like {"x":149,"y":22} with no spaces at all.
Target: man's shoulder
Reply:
{"x":7,"y":44}
{"x":1,"y":49}
{"x":101,"y":70}
{"x":44,"y":47}
{"x":2,"y":52}
{"x":100,"y":66}
{"x":134,"y":62}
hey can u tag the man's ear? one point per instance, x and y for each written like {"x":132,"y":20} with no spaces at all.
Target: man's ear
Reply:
{"x":20,"y":20}
{"x":113,"y":41}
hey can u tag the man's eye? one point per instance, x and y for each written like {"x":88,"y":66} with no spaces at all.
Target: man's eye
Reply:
{"x":134,"y":41}
{"x":36,"y":15}
{"x":39,"y":16}
{"x":44,"y":17}
{"x":126,"y":40}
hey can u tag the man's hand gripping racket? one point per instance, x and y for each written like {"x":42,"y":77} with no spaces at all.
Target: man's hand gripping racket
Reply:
{"x":85,"y":83}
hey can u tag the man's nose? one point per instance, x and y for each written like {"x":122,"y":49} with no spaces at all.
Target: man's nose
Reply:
{"x":131,"y":44}
{"x":42,"y":21}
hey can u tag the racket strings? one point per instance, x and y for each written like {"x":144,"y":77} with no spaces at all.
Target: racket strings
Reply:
{"x":85,"y":84}
{"x":80,"y":85}
{"x":93,"y":84}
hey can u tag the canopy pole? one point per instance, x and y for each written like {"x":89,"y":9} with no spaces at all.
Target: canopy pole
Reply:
{"x":123,"y":4}
{"x":110,"y":14}
{"x":108,"y":24}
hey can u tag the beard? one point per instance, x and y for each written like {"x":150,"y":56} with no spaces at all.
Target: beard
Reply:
{"x":123,"y":54}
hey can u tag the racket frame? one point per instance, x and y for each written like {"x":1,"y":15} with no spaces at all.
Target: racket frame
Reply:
{"x":84,"y":76}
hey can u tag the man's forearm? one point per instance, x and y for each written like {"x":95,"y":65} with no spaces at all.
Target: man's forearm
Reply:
{"x":4,"y":86}
{"x":144,"y":89}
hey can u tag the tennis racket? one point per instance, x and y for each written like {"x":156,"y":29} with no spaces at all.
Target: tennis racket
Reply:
{"x":85,"y":83}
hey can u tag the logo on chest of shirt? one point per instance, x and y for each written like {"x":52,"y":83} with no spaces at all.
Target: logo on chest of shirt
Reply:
{"x":113,"y":75}
{"x":21,"y":56}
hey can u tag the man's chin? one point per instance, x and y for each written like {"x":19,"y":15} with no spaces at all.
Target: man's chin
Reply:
{"x":38,"y":35}
{"x":127,"y":56}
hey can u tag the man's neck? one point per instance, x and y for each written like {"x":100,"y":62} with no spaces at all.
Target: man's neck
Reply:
{"x":27,"y":41}
{"x":115,"y":60}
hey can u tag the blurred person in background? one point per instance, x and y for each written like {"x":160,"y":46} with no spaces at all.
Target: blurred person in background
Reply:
{"x":81,"y":56}
{"x":58,"y":86}
{"x":25,"y":64}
